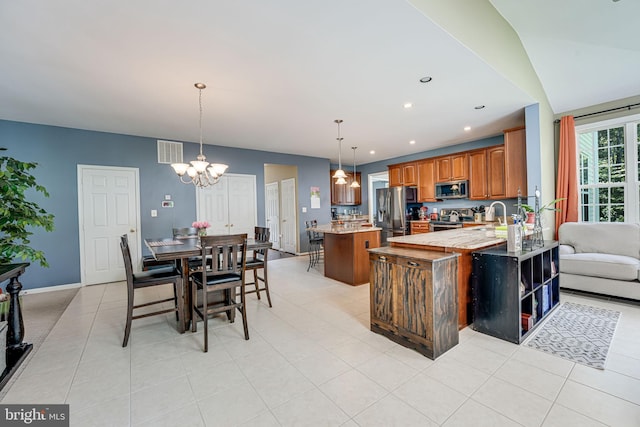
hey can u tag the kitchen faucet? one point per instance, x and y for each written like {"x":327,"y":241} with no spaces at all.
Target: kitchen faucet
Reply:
{"x":504,"y":212}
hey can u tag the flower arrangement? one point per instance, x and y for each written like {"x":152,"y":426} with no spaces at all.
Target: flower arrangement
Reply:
{"x":200,"y":224}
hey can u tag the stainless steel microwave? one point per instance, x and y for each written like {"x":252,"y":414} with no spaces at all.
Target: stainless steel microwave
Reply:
{"x":452,"y":190}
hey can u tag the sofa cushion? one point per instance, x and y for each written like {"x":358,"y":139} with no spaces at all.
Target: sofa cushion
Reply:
{"x":618,"y":267}
{"x":602,"y":237}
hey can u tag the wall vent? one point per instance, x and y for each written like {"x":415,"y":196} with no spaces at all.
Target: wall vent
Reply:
{"x":169,"y":152}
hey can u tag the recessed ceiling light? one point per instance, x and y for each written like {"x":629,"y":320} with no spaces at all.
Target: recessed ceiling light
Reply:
{"x":408,"y":105}
{"x":413,"y":141}
{"x":479,"y":107}
{"x":467,"y":128}
{"x":426,"y":79}
{"x":372,"y":152}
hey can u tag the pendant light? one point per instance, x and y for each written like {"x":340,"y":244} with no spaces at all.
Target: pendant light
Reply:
{"x":200,"y":173}
{"x":355,"y":183}
{"x":339,"y":175}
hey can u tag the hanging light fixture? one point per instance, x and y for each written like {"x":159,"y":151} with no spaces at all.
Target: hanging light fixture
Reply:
{"x":200,"y":172}
{"x":339,"y":175}
{"x":355,"y":183}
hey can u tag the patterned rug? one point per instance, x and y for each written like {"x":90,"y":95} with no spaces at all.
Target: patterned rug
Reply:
{"x":579,"y":333}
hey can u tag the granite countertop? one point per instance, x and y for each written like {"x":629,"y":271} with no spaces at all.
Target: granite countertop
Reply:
{"x":457,"y":238}
{"x":344,"y":228}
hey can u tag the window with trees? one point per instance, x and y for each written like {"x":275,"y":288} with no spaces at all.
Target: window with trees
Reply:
{"x":609,"y":170}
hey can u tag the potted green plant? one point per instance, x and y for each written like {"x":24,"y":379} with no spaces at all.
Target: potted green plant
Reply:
{"x":531,"y":213}
{"x":18,"y":215}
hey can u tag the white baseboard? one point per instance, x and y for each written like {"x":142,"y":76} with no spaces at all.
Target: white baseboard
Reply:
{"x":51,"y":288}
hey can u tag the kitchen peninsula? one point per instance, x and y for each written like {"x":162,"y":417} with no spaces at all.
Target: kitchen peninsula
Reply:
{"x":345,"y":251}
{"x":463,"y":241}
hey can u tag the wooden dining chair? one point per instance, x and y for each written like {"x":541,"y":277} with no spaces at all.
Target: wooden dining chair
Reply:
{"x":185,"y":233}
{"x":259,"y":262}
{"x":155,"y":277}
{"x":225,"y":273}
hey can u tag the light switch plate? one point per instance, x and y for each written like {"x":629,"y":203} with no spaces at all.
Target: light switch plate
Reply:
{"x":154,"y":213}
{"x":167,"y":196}
{"x":304,"y":209}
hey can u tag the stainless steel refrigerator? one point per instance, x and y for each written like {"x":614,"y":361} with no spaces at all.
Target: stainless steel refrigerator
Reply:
{"x":391,"y":209}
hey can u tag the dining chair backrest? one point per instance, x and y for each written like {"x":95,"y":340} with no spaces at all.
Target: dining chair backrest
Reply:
{"x":227,"y":257}
{"x":126,"y":257}
{"x":185,"y":233}
{"x":262,"y":234}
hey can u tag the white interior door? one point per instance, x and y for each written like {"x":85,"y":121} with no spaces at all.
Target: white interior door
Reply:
{"x":109,"y":206}
{"x":212,"y":205}
{"x":272,"y":212}
{"x":229,"y":206}
{"x":243,"y":214}
{"x":288,"y":215}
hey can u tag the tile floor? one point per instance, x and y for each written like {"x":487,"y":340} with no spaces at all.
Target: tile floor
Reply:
{"x":312,"y":361}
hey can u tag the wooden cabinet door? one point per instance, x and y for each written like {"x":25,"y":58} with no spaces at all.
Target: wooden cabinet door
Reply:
{"x":478,"y":175}
{"x":443,"y":169}
{"x":395,"y":176}
{"x":496,"y":172}
{"x":515,"y":148}
{"x":413,"y":300}
{"x":426,"y":180}
{"x":409,"y":174}
{"x":381,"y":278}
{"x":344,"y":194}
{"x":459,"y":167}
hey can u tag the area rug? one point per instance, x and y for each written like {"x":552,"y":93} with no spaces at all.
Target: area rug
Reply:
{"x":579,"y":333}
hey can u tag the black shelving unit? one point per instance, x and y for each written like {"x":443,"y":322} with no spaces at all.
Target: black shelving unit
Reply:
{"x":514,"y":291}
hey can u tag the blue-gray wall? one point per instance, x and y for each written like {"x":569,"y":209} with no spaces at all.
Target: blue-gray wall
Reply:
{"x":58,"y":151}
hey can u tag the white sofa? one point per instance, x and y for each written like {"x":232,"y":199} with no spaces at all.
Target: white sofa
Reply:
{"x":600,"y":257}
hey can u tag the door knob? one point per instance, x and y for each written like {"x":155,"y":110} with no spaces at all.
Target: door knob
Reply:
{"x":133,"y":230}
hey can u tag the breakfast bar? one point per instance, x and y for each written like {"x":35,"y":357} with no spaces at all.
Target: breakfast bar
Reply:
{"x":345,"y":251}
{"x":463,"y":241}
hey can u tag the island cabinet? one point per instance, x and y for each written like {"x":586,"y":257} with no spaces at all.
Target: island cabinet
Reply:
{"x":452,"y":168}
{"x":344,"y":194}
{"x":345,"y":253}
{"x":513,"y":292}
{"x":487,"y":178}
{"x":426,"y":180}
{"x":414,"y":298}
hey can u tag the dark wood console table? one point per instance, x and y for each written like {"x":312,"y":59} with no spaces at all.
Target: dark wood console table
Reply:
{"x":17,"y":350}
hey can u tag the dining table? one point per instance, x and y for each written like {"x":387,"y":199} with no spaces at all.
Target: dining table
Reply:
{"x":180,"y":250}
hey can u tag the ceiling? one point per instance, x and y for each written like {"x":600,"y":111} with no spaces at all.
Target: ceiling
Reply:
{"x":279,"y":72}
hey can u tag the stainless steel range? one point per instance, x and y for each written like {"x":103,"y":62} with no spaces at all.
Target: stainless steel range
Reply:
{"x":451,"y":218}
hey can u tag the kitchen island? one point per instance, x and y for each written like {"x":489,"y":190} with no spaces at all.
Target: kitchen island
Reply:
{"x":345,"y":251}
{"x":463,"y":241}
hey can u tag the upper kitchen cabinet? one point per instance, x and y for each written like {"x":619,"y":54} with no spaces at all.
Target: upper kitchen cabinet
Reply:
{"x":426,"y":180}
{"x":403,"y":174}
{"x":515,"y":150}
{"x":487,"y":173}
{"x":454,"y":167}
{"x":344,"y":194}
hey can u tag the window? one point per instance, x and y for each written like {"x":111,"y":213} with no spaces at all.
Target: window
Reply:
{"x":609,"y":170}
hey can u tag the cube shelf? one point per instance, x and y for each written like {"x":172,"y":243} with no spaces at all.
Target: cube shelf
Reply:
{"x":514,"y":291}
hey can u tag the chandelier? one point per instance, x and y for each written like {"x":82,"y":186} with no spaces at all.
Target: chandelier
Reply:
{"x":339,"y":175}
{"x":354,"y":183}
{"x":200,"y":172}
